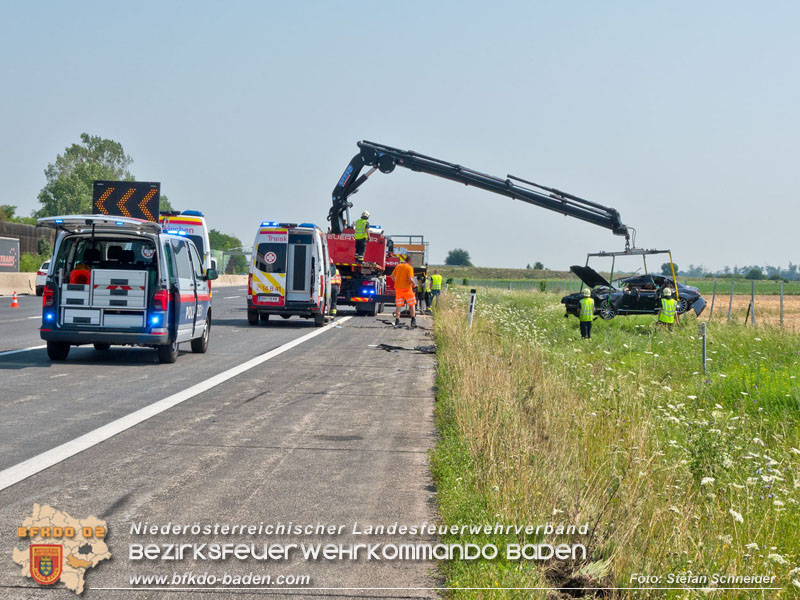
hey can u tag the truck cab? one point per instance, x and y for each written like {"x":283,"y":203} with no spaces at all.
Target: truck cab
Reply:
{"x":289,"y":273}
{"x":124,"y":281}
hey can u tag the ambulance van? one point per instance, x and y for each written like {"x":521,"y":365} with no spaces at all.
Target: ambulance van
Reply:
{"x":288,"y":273}
{"x":193,"y":223}
{"x":123,"y":281}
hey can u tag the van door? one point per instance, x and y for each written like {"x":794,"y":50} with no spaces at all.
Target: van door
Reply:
{"x":202,"y":291}
{"x":185,"y":296}
{"x":298,"y":287}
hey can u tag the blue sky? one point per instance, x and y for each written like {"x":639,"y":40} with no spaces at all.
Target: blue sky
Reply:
{"x":683,"y":116}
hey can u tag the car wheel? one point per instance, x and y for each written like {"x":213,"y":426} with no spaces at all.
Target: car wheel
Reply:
{"x":607,"y":313}
{"x":682,"y":306}
{"x":102,"y":346}
{"x":319,"y":319}
{"x":57,"y":350}
{"x":264,"y":317}
{"x":286,"y":316}
{"x":252,"y":317}
{"x":39,"y":290}
{"x":167,"y":353}
{"x":200,"y":345}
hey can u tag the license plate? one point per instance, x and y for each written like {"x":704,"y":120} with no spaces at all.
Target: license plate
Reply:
{"x":267,"y":298}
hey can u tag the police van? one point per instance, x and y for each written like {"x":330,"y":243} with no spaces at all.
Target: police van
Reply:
{"x":124,"y":281}
{"x":288,"y":273}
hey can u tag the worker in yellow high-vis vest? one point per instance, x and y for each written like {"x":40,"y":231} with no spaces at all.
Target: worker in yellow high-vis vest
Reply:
{"x":361,"y":235}
{"x":586,"y":313}
{"x":436,"y":287}
{"x":668,"y":310}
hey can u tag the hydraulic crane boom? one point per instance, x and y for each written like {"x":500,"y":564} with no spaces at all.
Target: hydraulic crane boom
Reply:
{"x":386,"y":158}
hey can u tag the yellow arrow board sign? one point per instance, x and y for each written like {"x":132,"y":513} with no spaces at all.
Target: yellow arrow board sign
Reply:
{"x":136,"y":199}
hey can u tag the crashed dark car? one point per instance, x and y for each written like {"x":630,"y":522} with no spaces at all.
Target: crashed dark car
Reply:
{"x":636,"y":295}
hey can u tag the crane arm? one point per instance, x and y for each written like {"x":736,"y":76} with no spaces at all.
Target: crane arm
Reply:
{"x":386,"y":158}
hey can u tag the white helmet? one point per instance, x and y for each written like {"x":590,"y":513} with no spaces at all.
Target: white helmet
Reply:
{"x":365,"y":214}
{"x":586,"y":292}
{"x":667,"y":292}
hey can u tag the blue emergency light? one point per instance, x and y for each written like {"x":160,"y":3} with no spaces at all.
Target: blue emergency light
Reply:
{"x":268,"y":223}
{"x":59,"y":220}
{"x":307,"y":225}
{"x":120,"y":223}
{"x":192,"y":213}
{"x":48,"y":316}
{"x":155,"y":320}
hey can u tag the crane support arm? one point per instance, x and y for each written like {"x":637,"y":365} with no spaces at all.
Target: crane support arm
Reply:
{"x":386,"y":158}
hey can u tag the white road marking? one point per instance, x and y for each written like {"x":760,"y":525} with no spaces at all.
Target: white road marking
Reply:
{"x":45,"y":460}
{"x":7,"y":352}
{"x":36,"y":317}
{"x":229,"y":297}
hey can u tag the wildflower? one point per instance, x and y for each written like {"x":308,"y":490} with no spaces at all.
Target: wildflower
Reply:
{"x":744,"y":393}
{"x":707,"y":481}
{"x":751,"y":546}
{"x":694,"y":398}
{"x":718,"y":406}
{"x":776,"y":558}
{"x":758,"y":441}
{"x":777,"y":503}
{"x":675,"y":510}
{"x":722,"y":375}
{"x":736,"y":516}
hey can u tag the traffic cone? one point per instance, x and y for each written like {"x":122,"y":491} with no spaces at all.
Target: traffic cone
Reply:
{"x":14,"y":303}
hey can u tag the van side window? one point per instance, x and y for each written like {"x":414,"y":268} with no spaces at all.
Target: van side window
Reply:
{"x":168,"y":256}
{"x":182,"y":259}
{"x":196,"y":263}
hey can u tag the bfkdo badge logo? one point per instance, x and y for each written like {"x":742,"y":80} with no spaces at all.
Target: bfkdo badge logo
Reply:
{"x":46,"y":562}
{"x":60,"y":548}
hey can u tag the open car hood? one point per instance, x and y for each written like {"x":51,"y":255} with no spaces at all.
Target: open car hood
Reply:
{"x":589,"y":276}
{"x":104,"y":223}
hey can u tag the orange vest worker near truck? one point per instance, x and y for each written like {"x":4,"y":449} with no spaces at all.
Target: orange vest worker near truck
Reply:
{"x":404,"y":284}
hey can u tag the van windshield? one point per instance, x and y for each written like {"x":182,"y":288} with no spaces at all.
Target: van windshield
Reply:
{"x":271,"y":257}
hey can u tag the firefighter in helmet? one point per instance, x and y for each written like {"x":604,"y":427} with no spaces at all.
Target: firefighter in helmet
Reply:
{"x":361,"y":235}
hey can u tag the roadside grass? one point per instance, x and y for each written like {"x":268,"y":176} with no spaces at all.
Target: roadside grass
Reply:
{"x":674,"y":471}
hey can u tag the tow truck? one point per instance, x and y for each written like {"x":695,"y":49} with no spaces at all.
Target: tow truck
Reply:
{"x":364,"y":284}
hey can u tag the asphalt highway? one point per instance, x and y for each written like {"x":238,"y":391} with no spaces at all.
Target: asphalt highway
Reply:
{"x":277,"y":423}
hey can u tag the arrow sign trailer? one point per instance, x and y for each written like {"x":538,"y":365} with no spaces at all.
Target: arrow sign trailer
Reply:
{"x":135,"y":199}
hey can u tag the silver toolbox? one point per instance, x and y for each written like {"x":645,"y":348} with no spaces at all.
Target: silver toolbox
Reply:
{"x":106,"y":277}
{"x":74,"y":294}
{"x":80,"y":316}
{"x":129,"y":320}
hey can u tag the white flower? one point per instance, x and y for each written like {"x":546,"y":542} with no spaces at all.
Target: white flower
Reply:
{"x":718,"y":406}
{"x":758,"y":441}
{"x":675,"y":510}
{"x":776,"y":558}
{"x":777,"y":503}
{"x":744,"y":393}
{"x":707,"y":481}
{"x":751,"y":546}
{"x":692,"y":398}
{"x":722,"y":375}
{"x":736,"y":516}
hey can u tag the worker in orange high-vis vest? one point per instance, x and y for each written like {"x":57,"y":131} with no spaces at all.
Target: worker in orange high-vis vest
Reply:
{"x":404,"y":284}
{"x":336,"y":283}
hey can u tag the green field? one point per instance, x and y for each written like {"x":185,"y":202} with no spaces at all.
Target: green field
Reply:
{"x":674,"y":470}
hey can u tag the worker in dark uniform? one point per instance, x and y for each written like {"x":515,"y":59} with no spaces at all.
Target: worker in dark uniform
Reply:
{"x":361,"y":235}
{"x":421,"y":291}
